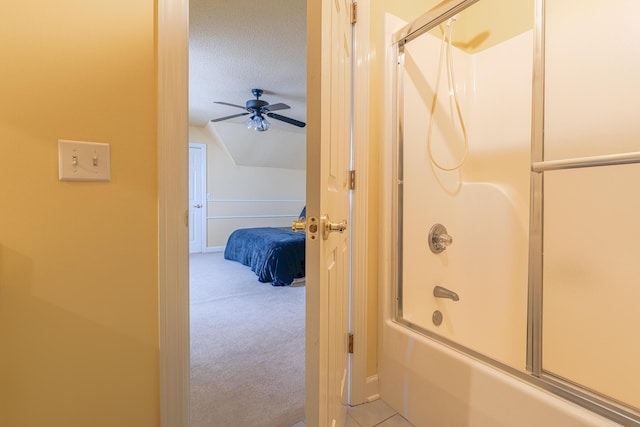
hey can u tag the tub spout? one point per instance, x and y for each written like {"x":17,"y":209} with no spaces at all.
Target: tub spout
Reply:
{"x":440,"y":292}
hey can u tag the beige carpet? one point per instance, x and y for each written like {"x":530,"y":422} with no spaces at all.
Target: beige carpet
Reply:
{"x":247,"y":347}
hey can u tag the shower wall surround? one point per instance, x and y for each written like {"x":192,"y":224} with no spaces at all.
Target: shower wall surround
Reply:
{"x":484,"y":204}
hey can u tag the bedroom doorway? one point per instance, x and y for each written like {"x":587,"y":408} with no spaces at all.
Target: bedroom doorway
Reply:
{"x":174,"y":316}
{"x":247,"y":338}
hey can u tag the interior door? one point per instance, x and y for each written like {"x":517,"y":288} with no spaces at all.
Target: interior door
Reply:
{"x":197,"y":156}
{"x":329,"y":33}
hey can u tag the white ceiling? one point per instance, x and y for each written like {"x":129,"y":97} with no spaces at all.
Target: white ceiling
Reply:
{"x":238,"y":45}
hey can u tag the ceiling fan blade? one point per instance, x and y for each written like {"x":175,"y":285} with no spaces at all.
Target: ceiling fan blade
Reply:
{"x":275,"y":107}
{"x":230,"y":105}
{"x":229,"y":117}
{"x":287,"y":120}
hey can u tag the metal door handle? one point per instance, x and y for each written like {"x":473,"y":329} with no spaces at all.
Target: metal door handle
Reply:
{"x":299,"y":225}
{"x":332,"y":226}
{"x":197,"y":206}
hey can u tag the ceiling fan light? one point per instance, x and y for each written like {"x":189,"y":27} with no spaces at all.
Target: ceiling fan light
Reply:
{"x":250,"y":124}
{"x":264,"y":125}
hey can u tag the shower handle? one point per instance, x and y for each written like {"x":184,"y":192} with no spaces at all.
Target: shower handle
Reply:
{"x":440,"y":292}
{"x":439,"y":239}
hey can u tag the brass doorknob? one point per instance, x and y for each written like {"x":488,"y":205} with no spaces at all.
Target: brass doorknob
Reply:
{"x":332,"y":226}
{"x":299,"y":225}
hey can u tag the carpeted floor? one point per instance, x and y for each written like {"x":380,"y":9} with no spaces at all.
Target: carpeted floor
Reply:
{"x":247,"y":347}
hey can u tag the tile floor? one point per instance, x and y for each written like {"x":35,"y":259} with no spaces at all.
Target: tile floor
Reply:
{"x":372,"y":414}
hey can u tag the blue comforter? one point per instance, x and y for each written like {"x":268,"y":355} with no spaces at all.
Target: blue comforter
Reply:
{"x":274,"y":254}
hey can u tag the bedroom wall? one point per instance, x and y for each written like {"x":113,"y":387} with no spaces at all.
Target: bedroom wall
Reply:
{"x":237,"y":191}
{"x":78,"y":261}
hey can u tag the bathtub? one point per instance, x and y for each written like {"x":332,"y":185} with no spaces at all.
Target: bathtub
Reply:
{"x":432,"y":385}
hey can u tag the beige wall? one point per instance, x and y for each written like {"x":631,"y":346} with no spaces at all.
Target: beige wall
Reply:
{"x":490,"y":22}
{"x":78,"y":261}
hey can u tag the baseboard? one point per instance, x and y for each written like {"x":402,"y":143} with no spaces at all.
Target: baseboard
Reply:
{"x":210,"y":249}
{"x":372,"y":391}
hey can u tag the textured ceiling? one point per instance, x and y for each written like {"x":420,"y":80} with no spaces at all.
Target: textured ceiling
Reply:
{"x":238,"y":45}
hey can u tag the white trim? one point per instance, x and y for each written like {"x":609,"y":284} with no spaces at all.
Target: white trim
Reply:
{"x":359,"y":389}
{"x":203,"y":195}
{"x":211,"y":249}
{"x":256,"y":201}
{"x":251,"y":216}
{"x":372,"y":388}
{"x":173,"y":250}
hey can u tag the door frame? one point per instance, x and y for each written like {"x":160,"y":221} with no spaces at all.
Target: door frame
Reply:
{"x":203,"y":195}
{"x":173,"y":251}
{"x":361,"y":389}
{"x":173,"y":245}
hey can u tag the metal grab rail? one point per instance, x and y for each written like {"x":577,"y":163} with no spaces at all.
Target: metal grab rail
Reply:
{"x":587,"y":162}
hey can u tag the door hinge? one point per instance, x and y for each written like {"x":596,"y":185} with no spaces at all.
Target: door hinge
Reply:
{"x":354,"y":12}
{"x":352,"y":180}
{"x":350,"y":343}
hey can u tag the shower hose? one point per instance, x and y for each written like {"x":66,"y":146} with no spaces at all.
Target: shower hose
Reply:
{"x":446,"y":41}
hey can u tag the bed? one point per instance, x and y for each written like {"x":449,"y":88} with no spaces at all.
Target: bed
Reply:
{"x":276,"y":255}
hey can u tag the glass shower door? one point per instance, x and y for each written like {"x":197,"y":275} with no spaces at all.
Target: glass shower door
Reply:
{"x":591,"y":226}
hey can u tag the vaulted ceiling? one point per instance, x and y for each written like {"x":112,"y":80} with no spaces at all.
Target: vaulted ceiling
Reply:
{"x":238,"y":45}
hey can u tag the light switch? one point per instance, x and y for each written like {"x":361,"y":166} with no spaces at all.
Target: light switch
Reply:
{"x":83,"y":161}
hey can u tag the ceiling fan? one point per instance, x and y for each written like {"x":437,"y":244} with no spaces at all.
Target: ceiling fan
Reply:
{"x":258,"y":109}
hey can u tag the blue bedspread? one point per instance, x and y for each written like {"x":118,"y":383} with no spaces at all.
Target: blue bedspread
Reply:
{"x":274,"y":254}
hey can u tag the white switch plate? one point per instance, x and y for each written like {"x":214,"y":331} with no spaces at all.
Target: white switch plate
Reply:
{"x":83,"y":161}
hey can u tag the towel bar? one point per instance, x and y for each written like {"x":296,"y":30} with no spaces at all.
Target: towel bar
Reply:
{"x":586,"y":162}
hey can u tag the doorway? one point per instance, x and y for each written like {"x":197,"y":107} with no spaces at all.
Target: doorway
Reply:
{"x":246,"y":336}
{"x":173,"y":274}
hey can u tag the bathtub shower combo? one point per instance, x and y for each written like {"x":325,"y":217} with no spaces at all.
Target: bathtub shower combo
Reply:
{"x":515,"y":241}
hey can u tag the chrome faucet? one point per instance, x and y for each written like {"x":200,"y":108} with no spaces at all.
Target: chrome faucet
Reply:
{"x":440,"y":292}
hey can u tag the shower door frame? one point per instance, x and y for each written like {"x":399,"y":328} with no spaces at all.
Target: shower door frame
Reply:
{"x":534,"y":374}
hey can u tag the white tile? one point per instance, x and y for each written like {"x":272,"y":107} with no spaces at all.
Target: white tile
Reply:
{"x":371,"y":414}
{"x":395,"y":421}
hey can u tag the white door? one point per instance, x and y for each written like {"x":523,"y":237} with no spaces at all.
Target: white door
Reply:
{"x":197,"y":173}
{"x":328,"y":160}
